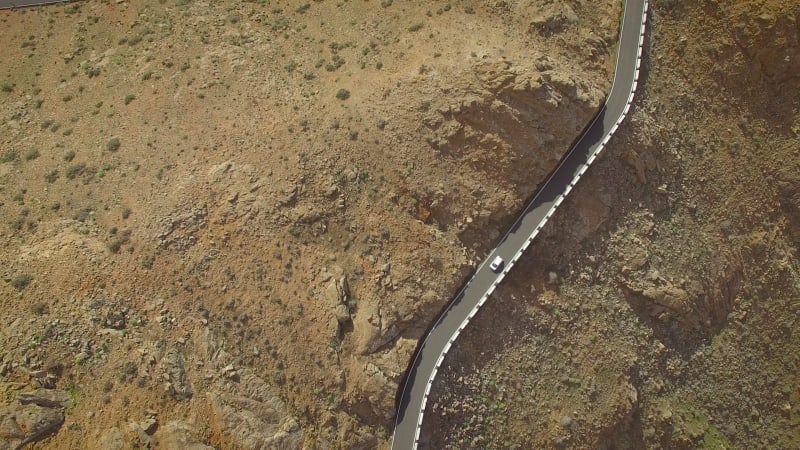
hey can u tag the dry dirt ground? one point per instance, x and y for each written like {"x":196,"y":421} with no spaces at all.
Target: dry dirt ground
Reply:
{"x":660,"y":309}
{"x":227,"y":223}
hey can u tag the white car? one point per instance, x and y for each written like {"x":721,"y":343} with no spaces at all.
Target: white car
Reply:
{"x":496,"y":264}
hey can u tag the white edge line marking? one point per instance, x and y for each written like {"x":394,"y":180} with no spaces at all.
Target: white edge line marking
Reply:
{"x":547,"y":217}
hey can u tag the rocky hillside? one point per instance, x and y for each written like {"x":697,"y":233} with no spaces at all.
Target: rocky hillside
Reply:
{"x":660,"y":308}
{"x":227,"y":223}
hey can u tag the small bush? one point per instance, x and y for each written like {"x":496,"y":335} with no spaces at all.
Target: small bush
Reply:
{"x":75,"y":170}
{"x":69,"y":156}
{"x":40,"y":308}
{"x":16,"y":224}
{"x":121,"y":239}
{"x":9,"y":156}
{"x":343,"y":94}
{"x":20,"y":282}
{"x":129,"y":98}
{"x":415,"y":27}
{"x":31,"y":154}
{"x":113,"y":145}
{"x":51,"y":176}
{"x":7,"y":87}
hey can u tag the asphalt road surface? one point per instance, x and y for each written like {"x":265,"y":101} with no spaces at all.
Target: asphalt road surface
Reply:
{"x":7,"y":4}
{"x":434,"y":347}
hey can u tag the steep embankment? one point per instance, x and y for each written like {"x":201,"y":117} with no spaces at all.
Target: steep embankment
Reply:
{"x":659,"y":309}
{"x":229,"y":222}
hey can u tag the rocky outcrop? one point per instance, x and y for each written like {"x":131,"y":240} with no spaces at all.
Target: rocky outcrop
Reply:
{"x":552,"y":19}
{"x":701,"y":304}
{"x":771,"y":41}
{"x":179,"y":232}
{"x":37,"y":415}
{"x":248,"y":414}
{"x":174,"y":369}
{"x":178,"y":434}
{"x":337,"y":296}
{"x":148,"y":434}
{"x":788,"y":182}
{"x":515,"y":108}
{"x":245,"y":411}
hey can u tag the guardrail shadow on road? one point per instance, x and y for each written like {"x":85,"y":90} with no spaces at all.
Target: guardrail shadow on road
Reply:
{"x":567,"y":168}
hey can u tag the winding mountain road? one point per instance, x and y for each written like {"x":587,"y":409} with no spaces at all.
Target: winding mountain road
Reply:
{"x":9,"y":4}
{"x":431,"y":352}
{"x":473,"y":295}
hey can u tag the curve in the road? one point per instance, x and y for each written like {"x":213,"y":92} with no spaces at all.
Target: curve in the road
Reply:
{"x":431,"y":352}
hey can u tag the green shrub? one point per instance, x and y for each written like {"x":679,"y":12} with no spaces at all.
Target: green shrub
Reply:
{"x":20,"y":282}
{"x":415,"y":27}
{"x":129,"y":98}
{"x":343,"y":94}
{"x":40,"y":308}
{"x":51,"y":176}
{"x":75,"y":170}
{"x":31,"y":154}
{"x":116,"y":244}
{"x":9,"y":156}
{"x":113,"y":145}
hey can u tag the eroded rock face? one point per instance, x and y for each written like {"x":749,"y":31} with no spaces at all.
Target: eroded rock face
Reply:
{"x":178,"y":435}
{"x":513,"y":109}
{"x":172,"y":435}
{"x":248,"y":414}
{"x":553,"y":19}
{"x":789,"y":196}
{"x":771,"y":40}
{"x":695,"y":304}
{"x":24,"y":423}
{"x":180,"y":230}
